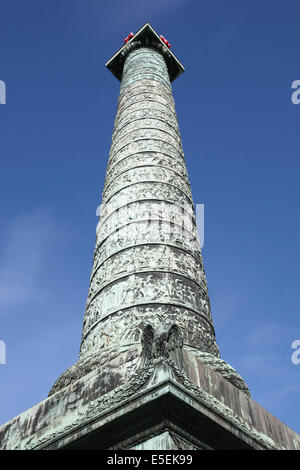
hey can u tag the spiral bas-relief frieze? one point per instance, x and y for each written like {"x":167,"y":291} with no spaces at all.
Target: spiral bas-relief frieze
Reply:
{"x":144,"y":65}
{"x":128,"y":129}
{"x":148,"y":191}
{"x":148,"y":258}
{"x":125,"y":327}
{"x":141,"y":59}
{"x":142,"y":98}
{"x":148,"y":110}
{"x":146,"y":70}
{"x":146,"y":84}
{"x":146,"y":159}
{"x":147,"y":288}
{"x":144,"y":205}
{"x":147,"y":231}
{"x":147,"y":267}
{"x":174,"y":217}
{"x":144,"y":175}
{"x":169,"y":140}
{"x":145,"y":88}
{"x":149,"y":74}
{"x":141,"y":105}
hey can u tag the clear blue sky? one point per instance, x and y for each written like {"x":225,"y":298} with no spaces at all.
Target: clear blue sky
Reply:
{"x":240,"y":135}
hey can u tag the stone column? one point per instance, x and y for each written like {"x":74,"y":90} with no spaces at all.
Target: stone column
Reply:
{"x":147,"y":268}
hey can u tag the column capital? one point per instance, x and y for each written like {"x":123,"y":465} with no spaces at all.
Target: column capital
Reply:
{"x":145,"y":37}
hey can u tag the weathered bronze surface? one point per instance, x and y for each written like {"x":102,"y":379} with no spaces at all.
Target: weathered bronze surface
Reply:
{"x":149,"y":374}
